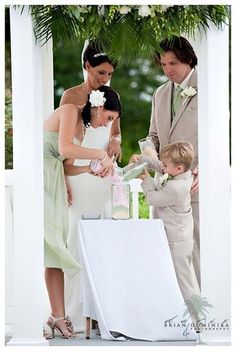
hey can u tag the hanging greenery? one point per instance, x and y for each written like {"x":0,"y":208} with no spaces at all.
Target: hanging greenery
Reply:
{"x":124,"y":32}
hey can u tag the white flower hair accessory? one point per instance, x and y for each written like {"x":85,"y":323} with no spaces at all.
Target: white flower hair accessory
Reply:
{"x":187,"y":93}
{"x":164,"y":178}
{"x":97,"y":98}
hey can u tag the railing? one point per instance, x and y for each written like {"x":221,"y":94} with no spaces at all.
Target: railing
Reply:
{"x":135,"y":189}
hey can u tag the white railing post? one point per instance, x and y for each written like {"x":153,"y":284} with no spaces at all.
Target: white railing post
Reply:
{"x":135,"y":188}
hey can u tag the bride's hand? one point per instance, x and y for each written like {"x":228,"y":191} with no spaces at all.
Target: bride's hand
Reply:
{"x":134,"y":158}
{"x":114,"y":149}
{"x":107,"y":161}
{"x":106,"y":171}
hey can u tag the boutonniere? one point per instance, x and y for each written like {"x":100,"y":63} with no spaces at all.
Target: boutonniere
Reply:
{"x":187,"y":93}
{"x":164,"y":178}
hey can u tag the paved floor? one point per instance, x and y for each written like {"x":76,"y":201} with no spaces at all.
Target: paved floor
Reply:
{"x":96,"y":341}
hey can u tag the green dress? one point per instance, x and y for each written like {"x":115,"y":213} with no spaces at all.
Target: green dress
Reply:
{"x":56,"y":254}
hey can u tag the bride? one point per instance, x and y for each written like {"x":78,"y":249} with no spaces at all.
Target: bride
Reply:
{"x":88,"y":196}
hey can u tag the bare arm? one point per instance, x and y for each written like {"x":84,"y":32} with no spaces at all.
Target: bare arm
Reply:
{"x":70,"y":169}
{"x":67,"y":127}
{"x":114,"y":148}
{"x":71,"y":97}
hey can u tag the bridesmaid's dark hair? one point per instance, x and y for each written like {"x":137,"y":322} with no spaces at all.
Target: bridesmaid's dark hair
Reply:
{"x":112,"y":103}
{"x":95,"y":57}
{"x":182,"y":49}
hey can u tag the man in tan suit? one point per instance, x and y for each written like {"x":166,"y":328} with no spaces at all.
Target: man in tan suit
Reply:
{"x":174,"y":115}
{"x":172,"y":200}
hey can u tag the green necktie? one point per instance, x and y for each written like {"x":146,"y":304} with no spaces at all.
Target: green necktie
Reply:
{"x":176,"y":100}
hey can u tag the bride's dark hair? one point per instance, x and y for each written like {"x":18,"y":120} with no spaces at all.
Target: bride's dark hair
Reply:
{"x":112,"y":103}
{"x":95,"y":56}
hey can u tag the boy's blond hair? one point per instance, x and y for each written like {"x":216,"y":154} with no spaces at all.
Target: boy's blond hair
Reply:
{"x":180,"y":153}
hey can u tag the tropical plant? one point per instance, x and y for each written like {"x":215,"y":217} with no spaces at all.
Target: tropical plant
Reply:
{"x":197,"y":307}
{"x":124,"y":32}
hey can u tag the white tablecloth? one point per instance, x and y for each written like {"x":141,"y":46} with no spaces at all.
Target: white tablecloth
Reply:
{"x":128,"y":280}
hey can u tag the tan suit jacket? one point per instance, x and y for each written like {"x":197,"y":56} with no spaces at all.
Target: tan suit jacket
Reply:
{"x":173,"y":205}
{"x":184,"y":126}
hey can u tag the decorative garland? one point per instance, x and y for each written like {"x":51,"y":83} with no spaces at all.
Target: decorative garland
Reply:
{"x":124,"y":31}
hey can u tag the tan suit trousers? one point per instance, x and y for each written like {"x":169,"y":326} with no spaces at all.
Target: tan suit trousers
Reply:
{"x":196,"y":239}
{"x":181,"y":252}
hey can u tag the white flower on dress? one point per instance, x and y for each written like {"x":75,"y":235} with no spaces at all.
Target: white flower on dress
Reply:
{"x":164,"y":178}
{"x":144,"y":11}
{"x":97,"y":98}
{"x":124,"y":10}
{"x":187,"y":93}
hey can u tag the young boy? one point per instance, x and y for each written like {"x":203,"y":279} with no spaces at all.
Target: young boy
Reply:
{"x":171,"y":198}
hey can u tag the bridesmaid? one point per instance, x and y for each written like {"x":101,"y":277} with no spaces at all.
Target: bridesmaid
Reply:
{"x":60,"y":130}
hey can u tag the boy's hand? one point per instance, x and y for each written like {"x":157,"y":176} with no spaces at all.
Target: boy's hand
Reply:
{"x":134,"y":158}
{"x":144,"y":174}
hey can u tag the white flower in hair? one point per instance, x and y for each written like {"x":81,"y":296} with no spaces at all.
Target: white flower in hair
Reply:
{"x":97,"y":98}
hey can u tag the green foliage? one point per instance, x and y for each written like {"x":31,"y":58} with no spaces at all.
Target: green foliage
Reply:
{"x":67,"y":69}
{"x":143,"y":207}
{"x":8,"y":133}
{"x":124,"y":32}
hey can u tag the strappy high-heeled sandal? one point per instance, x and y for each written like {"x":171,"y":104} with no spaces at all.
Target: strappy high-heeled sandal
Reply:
{"x":67,"y":333}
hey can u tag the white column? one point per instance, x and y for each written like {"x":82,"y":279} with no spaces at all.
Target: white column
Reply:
{"x":28,"y":280}
{"x":213,"y":56}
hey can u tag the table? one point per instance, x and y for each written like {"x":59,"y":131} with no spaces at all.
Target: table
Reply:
{"x":128,"y":282}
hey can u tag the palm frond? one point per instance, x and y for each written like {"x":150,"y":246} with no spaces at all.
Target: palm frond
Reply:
{"x":197,"y":305}
{"x":128,"y":35}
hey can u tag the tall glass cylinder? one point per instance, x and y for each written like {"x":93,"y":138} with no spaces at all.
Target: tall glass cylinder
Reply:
{"x":121,"y":200}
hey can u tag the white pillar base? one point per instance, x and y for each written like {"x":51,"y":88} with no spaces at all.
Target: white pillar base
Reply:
{"x":28,"y":342}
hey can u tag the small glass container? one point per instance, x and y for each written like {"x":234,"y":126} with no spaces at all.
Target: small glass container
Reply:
{"x":147,"y":147}
{"x":120,"y":200}
{"x":95,"y":166}
{"x":133,"y":170}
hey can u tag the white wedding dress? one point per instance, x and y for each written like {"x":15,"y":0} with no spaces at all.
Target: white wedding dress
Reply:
{"x":91,"y":199}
